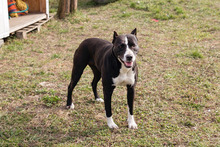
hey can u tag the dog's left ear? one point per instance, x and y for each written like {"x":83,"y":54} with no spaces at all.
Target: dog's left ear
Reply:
{"x":114,"y":36}
{"x":134,"y":32}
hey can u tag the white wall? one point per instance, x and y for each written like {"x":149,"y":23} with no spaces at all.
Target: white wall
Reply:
{"x":47,"y":8}
{"x":4,"y":23}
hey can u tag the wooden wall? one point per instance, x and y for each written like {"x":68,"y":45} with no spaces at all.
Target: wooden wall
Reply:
{"x":36,"y":6}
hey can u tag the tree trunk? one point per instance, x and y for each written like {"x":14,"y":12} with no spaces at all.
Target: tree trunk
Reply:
{"x":61,"y":9}
{"x":67,"y":6}
{"x":73,"y":5}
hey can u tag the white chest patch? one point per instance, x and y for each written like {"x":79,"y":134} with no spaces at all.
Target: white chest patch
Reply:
{"x":125,"y":77}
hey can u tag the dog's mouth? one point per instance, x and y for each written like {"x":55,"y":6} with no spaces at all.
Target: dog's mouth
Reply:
{"x":127,"y":64}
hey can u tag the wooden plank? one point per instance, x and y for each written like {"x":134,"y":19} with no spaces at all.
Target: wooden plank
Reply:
{"x":22,"y":33}
{"x":23,"y":21}
{"x":29,"y":28}
{"x":25,"y":29}
{"x":49,"y":18}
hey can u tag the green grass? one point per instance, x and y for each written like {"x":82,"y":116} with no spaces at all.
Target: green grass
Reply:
{"x":162,"y":10}
{"x":50,"y":100}
{"x":177,"y":94}
{"x":55,"y":56}
{"x":196,"y":54}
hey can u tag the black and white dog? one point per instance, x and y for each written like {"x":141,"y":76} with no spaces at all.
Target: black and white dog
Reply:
{"x":115,"y":63}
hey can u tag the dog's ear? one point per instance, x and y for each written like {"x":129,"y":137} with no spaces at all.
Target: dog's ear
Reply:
{"x":134,"y":32}
{"x":114,"y":36}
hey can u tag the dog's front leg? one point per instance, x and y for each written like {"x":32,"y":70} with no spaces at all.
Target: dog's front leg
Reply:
{"x":108,"y":90}
{"x":130,"y":99}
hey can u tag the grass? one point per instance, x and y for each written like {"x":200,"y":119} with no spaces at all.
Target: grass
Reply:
{"x":196,"y":54}
{"x":163,"y":10}
{"x":50,"y":100}
{"x":177,"y":95}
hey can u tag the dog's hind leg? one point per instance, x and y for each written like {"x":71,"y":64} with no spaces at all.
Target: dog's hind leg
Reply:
{"x":76,"y":74}
{"x":97,"y":77}
{"x":78,"y":67}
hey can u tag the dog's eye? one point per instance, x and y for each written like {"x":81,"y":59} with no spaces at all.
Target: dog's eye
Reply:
{"x":122,"y":46}
{"x":132,"y":45}
{"x":135,"y":50}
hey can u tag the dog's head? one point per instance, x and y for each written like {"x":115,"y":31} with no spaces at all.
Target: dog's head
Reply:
{"x":125,"y":48}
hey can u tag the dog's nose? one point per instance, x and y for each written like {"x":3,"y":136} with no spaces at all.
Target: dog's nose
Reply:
{"x":129,"y":57}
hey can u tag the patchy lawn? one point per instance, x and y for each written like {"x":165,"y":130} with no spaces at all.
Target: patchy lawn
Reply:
{"x":177,"y":95}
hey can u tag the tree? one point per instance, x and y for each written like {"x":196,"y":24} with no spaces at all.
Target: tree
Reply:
{"x":66,"y":7}
{"x":73,"y":5}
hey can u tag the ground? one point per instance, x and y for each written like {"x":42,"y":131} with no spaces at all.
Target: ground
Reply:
{"x":177,"y":95}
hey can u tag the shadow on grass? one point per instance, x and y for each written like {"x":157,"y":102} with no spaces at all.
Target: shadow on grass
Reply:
{"x":86,"y":4}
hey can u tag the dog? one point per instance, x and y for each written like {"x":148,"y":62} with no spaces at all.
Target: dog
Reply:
{"x":115,"y":63}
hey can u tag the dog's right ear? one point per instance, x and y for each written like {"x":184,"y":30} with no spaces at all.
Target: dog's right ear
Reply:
{"x":134,"y":32}
{"x":114,"y":36}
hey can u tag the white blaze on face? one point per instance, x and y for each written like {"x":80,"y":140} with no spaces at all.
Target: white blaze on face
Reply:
{"x":128,"y":52}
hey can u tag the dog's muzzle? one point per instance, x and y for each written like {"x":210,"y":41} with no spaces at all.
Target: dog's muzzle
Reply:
{"x":128,"y":61}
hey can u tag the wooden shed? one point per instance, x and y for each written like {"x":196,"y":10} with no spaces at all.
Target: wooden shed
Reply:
{"x":38,"y":11}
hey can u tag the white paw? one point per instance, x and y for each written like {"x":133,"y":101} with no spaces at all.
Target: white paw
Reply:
{"x":111,"y":123}
{"x":132,"y":125}
{"x":99,"y":100}
{"x":131,"y":122}
{"x":70,"y":107}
